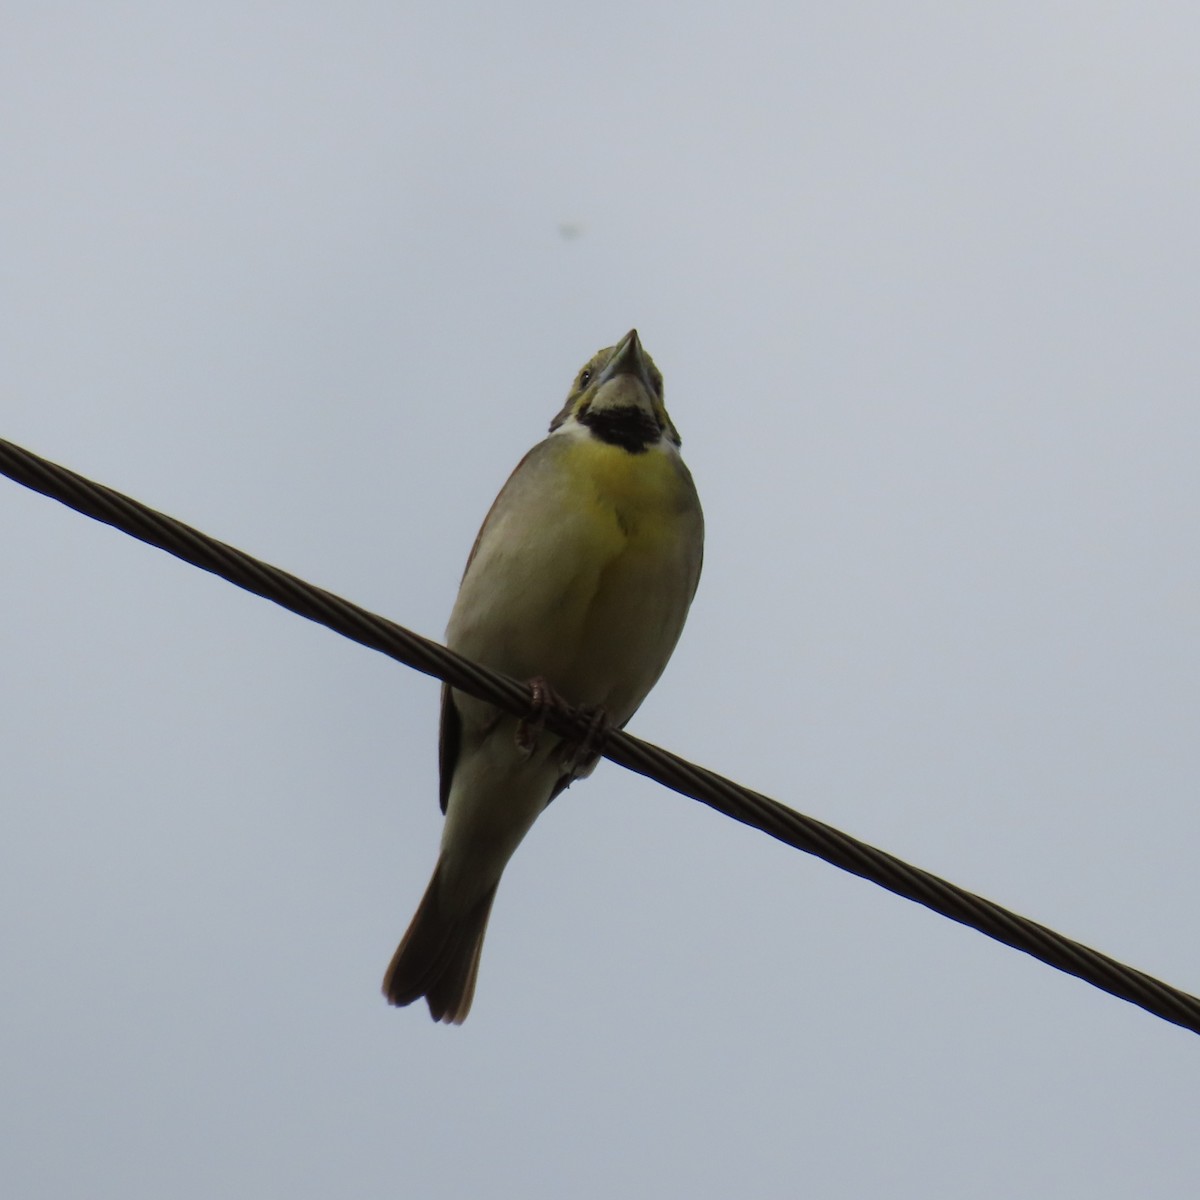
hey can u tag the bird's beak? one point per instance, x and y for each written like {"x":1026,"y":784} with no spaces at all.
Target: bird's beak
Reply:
{"x":628,"y":359}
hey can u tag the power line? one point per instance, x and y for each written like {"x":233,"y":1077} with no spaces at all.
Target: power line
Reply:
{"x":749,"y":807}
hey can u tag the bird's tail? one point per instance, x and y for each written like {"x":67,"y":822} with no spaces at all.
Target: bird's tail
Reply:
{"x":438,"y":957}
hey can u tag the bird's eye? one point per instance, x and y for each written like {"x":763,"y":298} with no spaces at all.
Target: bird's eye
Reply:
{"x":585,"y":377}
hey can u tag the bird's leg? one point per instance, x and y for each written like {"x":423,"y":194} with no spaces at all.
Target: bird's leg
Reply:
{"x":579,"y":757}
{"x":582,"y":756}
{"x":542,"y":698}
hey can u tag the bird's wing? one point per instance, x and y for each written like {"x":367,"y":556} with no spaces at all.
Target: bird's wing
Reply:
{"x":449,"y":744}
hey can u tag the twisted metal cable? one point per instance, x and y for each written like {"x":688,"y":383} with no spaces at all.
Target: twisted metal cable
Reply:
{"x":749,"y":807}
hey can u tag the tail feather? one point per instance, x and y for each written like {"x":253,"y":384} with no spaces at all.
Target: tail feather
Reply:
{"x":438,"y":957}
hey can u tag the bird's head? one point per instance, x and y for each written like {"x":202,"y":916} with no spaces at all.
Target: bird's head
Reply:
{"x":618,"y":395}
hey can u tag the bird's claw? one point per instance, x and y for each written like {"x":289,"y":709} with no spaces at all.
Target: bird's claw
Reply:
{"x":576,"y":756}
{"x":584,"y":754}
{"x":529,"y":729}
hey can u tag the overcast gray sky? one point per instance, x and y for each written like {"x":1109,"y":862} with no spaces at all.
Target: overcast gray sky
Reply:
{"x":924,"y":282}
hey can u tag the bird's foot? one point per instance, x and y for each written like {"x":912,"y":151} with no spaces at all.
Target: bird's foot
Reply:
{"x":578,"y":757}
{"x":582,"y":756}
{"x":542,"y":698}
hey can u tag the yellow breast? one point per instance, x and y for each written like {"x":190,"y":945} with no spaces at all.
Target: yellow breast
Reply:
{"x":637,"y":494}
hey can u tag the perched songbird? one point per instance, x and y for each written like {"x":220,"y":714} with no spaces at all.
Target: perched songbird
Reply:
{"x":580,"y":578}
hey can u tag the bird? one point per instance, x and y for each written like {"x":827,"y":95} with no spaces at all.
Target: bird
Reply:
{"x":579,"y":581}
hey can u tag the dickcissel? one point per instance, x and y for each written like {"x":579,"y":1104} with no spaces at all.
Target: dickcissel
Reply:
{"x":580,"y":578}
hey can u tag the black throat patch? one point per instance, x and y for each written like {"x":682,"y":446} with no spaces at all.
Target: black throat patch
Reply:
{"x":631,"y":428}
